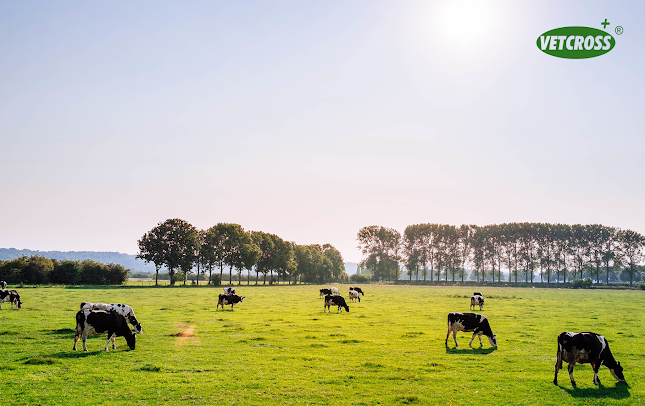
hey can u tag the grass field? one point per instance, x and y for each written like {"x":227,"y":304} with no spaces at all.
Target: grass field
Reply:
{"x":279,"y":347}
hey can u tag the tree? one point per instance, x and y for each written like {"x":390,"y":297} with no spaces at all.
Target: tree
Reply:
{"x":631,"y":246}
{"x":171,"y":244}
{"x":214,"y":249}
{"x":381,"y":245}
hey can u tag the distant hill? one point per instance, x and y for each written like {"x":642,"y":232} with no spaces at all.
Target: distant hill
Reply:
{"x":128,"y":261}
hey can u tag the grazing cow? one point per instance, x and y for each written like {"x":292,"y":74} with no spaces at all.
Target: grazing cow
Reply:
{"x":353,"y":295}
{"x":477,"y":323}
{"x":228,"y":300}
{"x":334,"y":291}
{"x":10,"y":296}
{"x":3,"y":285}
{"x":335,"y":301}
{"x":229,"y":291}
{"x":123,"y":309}
{"x":476,"y":300}
{"x":325,"y":292}
{"x":99,"y":322}
{"x":586,"y":347}
{"x":356,"y":288}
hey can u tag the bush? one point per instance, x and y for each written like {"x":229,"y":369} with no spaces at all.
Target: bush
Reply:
{"x":582,"y":283}
{"x":215,"y":279}
{"x":641,"y":286}
{"x":359,"y":278}
{"x":66,"y":272}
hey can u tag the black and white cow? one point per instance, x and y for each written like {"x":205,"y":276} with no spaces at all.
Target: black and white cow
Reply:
{"x":583,"y":348}
{"x":335,"y":291}
{"x":335,"y":300}
{"x":325,"y":292}
{"x":353,"y":295}
{"x":477,"y":323}
{"x":123,"y":309}
{"x":10,"y":296}
{"x":228,"y":300}
{"x":229,"y":291}
{"x":476,"y":300}
{"x":3,"y":285}
{"x":99,"y":322}
{"x":356,"y":288}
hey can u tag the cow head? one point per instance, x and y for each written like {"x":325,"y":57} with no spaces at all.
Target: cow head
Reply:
{"x":492,"y":340}
{"x":138,"y":329}
{"x":241,"y":299}
{"x":131,"y":339}
{"x":617,"y":372}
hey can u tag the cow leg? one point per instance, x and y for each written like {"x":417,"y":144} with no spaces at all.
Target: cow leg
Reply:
{"x":110,"y":335}
{"x":558,"y":366}
{"x":85,"y":342}
{"x":595,"y":366}
{"x":573,"y":382}
{"x":454,"y":337}
{"x":471,"y":340}
{"x":359,"y":299}
{"x":76,"y":337}
{"x":447,"y":335}
{"x":480,"y":340}
{"x":114,"y":341}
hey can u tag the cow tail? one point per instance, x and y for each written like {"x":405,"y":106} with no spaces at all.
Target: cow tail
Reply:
{"x":80,"y":320}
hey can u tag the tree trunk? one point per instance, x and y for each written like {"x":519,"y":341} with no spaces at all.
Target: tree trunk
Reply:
{"x":210,"y":273}
{"x":230,"y":275}
{"x":156,"y":275}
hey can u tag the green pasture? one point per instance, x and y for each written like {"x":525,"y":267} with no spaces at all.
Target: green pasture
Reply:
{"x":279,"y":347}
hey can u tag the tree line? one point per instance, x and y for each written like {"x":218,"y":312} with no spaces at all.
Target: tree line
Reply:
{"x":38,"y":270}
{"x":182,"y":249}
{"x":554,"y":252}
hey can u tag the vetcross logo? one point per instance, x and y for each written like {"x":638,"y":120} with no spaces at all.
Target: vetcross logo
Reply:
{"x":576,"y":42}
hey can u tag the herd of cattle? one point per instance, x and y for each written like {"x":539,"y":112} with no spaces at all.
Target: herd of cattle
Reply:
{"x":113,"y":319}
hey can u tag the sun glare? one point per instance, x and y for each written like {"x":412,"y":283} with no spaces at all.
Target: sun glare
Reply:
{"x":464,"y":23}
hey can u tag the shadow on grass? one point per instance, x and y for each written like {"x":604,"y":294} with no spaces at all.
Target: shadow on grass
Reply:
{"x":61,"y":331}
{"x":620,"y":391}
{"x":480,"y":350}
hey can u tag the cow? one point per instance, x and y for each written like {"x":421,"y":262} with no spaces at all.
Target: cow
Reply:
{"x":3,"y":285}
{"x":477,"y":323}
{"x":356,"y":288}
{"x":10,"y":296}
{"x":99,"y":322}
{"x":325,"y":292}
{"x":123,"y":309}
{"x":335,"y":291}
{"x":353,"y":295}
{"x":477,"y":294}
{"x":228,"y":300}
{"x":476,"y":300}
{"x":335,"y":301}
{"x":229,"y":291}
{"x":586,"y":347}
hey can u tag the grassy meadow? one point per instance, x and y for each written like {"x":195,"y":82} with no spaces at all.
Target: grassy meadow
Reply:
{"x":279,"y":347}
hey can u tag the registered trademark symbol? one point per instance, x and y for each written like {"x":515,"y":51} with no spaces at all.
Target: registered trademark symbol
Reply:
{"x":619,"y":30}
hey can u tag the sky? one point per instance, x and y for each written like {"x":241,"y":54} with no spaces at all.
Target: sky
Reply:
{"x":312,"y":119}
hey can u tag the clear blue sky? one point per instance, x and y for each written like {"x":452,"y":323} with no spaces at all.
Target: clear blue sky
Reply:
{"x":312,"y":119}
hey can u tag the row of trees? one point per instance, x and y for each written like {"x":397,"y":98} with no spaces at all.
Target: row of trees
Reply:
{"x":182,"y":249}
{"x":39,"y":270}
{"x":524,"y":250}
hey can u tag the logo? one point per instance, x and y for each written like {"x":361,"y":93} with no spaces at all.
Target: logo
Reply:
{"x":576,"y":42}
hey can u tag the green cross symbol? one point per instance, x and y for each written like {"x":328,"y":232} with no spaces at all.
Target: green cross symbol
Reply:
{"x":605,"y":24}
